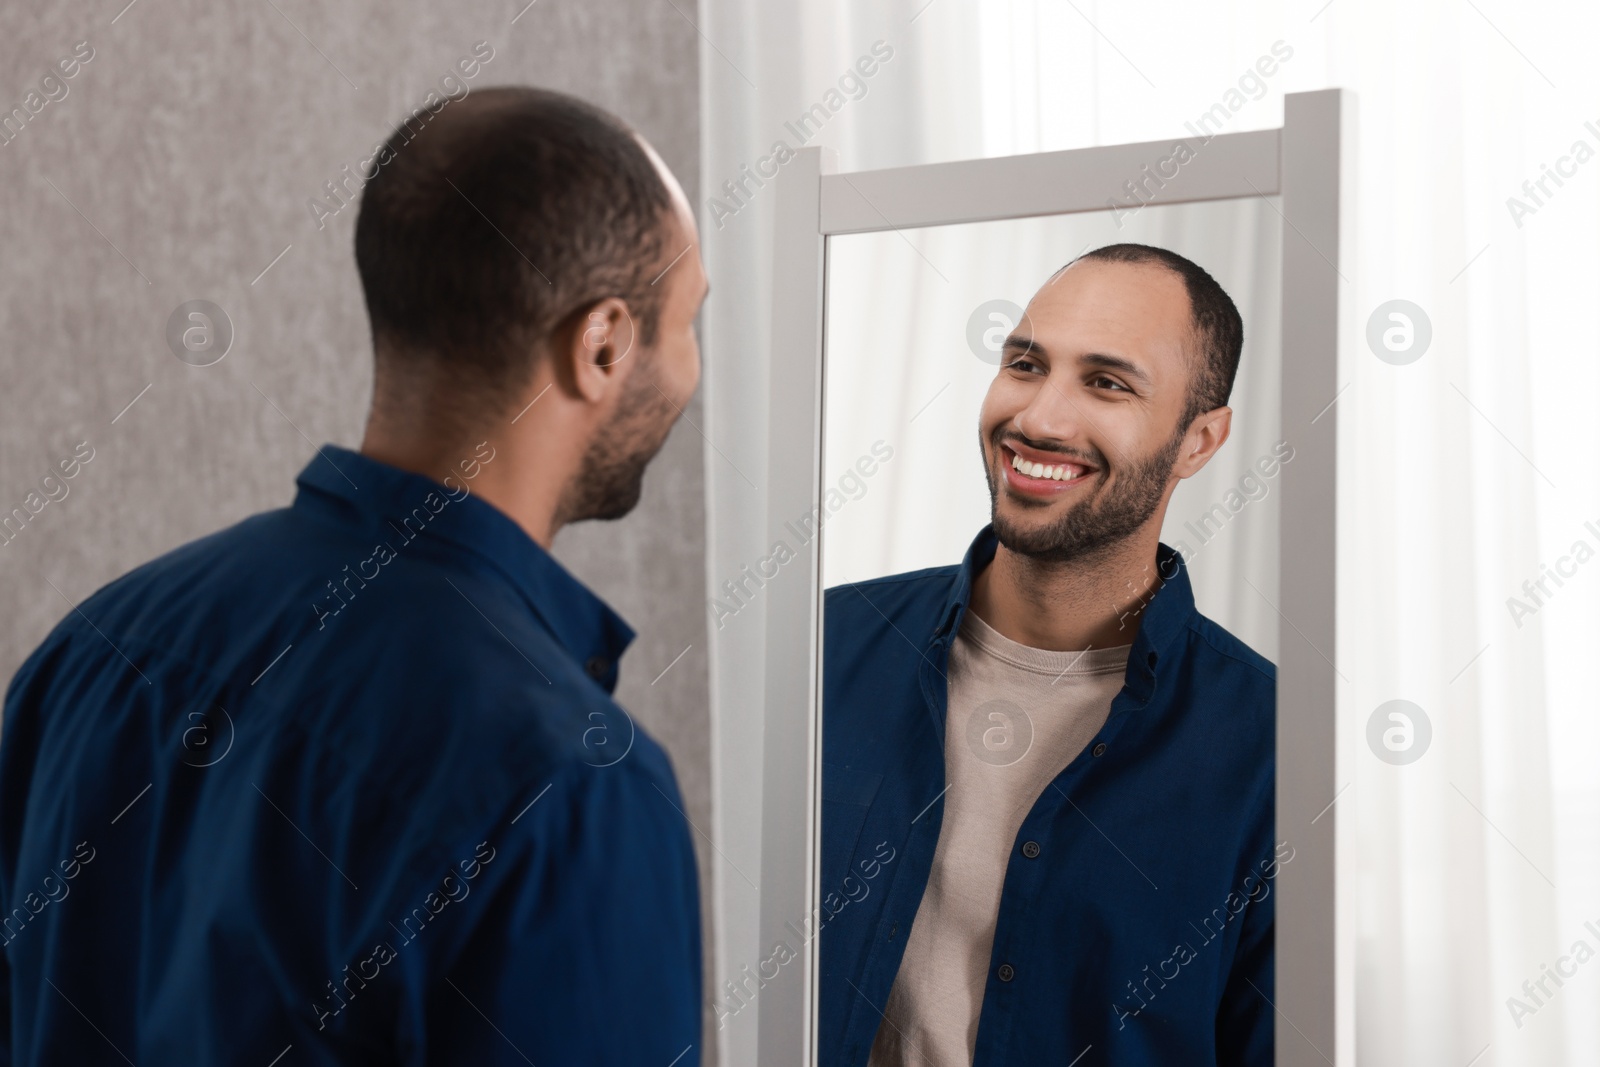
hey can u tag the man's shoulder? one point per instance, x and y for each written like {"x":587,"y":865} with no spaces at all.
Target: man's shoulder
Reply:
{"x":214,"y":569}
{"x":1232,"y":688}
{"x":890,"y":597}
{"x":284,"y":577}
{"x":1216,"y":641}
{"x":427,"y":654}
{"x":138,"y":609}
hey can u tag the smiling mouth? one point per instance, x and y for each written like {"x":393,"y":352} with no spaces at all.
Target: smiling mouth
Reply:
{"x":1037,"y":479}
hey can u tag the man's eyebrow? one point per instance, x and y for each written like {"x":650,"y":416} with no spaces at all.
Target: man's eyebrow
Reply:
{"x":1116,"y":363}
{"x":1027,"y":345}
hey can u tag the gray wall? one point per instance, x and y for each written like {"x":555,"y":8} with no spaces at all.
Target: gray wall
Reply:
{"x":176,"y":167}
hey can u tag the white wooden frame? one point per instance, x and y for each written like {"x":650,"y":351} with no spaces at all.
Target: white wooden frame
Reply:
{"x":1309,"y":164}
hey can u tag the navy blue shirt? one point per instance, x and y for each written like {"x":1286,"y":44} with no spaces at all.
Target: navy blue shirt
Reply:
{"x":1135,"y":921}
{"x":343,"y":783}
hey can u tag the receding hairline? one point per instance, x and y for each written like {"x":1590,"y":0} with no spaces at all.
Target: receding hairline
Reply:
{"x":1194,"y":350}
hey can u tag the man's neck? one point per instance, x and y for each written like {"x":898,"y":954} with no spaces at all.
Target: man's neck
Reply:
{"x":502,"y":481}
{"x":1094,"y":602}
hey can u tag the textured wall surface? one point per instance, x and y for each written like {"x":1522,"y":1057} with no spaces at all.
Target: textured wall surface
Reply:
{"x":176,"y":164}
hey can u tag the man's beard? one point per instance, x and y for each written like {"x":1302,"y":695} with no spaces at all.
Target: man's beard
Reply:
{"x":1090,"y":526}
{"x":611,"y":477}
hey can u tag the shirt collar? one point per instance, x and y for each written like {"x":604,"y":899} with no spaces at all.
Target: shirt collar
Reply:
{"x":351,"y":487}
{"x":1164,"y":617}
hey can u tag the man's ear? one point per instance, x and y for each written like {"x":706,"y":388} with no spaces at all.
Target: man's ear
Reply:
{"x":1206,"y":434}
{"x":596,"y":342}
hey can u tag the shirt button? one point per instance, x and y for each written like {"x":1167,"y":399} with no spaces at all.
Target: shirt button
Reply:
{"x":1100,"y":749}
{"x":1151,"y":659}
{"x":1030,"y":849}
{"x":595,"y":668}
{"x":1006,"y":972}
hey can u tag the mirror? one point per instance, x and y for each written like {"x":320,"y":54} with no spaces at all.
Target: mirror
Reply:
{"x":1031,"y":845}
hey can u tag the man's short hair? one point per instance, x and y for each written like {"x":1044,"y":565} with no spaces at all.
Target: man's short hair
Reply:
{"x":1218,"y":329}
{"x":493,"y":226}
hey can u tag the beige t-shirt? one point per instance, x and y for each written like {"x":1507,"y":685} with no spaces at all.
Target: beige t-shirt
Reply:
{"x":1016,"y":717}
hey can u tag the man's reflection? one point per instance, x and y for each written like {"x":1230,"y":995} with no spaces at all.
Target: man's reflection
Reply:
{"x":1073,"y":767}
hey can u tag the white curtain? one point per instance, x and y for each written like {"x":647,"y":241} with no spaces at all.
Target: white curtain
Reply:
{"x":1470,"y":578}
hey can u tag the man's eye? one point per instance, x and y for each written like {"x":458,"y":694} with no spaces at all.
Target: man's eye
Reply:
{"x":1022,"y":362}
{"x":1097,"y":379}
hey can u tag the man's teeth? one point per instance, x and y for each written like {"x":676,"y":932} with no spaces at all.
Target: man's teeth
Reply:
{"x":1063,"y":473}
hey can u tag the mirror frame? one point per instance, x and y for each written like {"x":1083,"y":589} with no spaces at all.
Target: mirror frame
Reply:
{"x":1309,"y":164}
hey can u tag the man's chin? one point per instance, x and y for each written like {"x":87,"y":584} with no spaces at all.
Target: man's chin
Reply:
{"x":619,"y":505}
{"x":1028,"y":537}
{"x":1045,"y":539}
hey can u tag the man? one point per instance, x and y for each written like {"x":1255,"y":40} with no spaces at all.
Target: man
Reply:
{"x":1052,"y":775}
{"x":344,"y":782}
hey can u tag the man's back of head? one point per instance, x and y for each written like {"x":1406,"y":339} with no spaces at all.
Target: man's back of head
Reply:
{"x":526,"y":246}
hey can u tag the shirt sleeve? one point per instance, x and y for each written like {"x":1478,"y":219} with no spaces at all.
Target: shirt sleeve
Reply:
{"x":587,"y":950}
{"x":1245,"y":1017}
